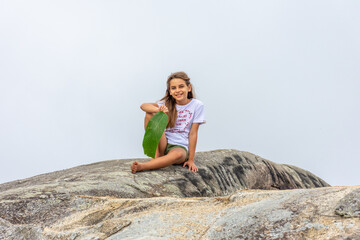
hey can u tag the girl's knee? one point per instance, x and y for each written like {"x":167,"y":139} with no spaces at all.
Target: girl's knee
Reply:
{"x":178,"y":153}
{"x":148,"y":116}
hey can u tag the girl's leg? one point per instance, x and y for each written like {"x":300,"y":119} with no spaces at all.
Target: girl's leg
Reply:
{"x":148,"y":116}
{"x":176,"y":155}
{"x":160,"y":151}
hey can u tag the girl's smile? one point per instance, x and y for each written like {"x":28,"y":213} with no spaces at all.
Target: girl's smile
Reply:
{"x":179,"y":91}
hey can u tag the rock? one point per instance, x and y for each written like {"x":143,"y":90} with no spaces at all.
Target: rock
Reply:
{"x":104,"y":199}
{"x":221,"y":172}
{"x":349,"y":206}
{"x":246,"y":214}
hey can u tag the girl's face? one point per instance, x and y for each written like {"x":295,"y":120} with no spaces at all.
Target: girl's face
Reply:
{"x":179,"y":90}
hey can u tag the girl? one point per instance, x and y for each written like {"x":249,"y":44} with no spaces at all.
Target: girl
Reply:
{"x":178,"y":143}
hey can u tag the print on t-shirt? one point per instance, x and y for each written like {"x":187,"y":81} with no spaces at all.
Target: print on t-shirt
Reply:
{"x":182,"y":121}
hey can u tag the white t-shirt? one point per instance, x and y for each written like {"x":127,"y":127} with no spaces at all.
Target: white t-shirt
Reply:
{"x":193,"y":112}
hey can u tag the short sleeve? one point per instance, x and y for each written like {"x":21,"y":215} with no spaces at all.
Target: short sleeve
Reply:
{"x":199,"y":115}
{"x":160,"y":103}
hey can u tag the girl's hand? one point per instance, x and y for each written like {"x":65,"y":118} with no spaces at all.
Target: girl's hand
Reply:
{"x":192,"y":166}
{"x":164,"y":109}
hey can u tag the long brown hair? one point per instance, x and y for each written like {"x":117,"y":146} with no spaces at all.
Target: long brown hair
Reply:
{"x":170,"y":102}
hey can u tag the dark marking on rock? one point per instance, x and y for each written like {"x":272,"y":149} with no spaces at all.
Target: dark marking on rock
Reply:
{"x":204,"y":175}
{"x":248,"y":161}
{"x":238,"y":158}
{"x":222,"y":176}
{"x":218,"y":179}
{"x":181,"y":184}
{"x":94,"y":218}
{"x":239,"y":173}
{"x":271,"y":171}
{"x":298,"y":185}
{"x":228,"y":161}
{"x":239,"y":169}
{"x":193,"y":179}
{"x":275,"y":186}
{"x":314,"y":181}
{"x":304,"y":178}
{"x":207,"y":179}
{"x":136,"y":209}
{"x":284,"y":179}
{"x":231,"y":178}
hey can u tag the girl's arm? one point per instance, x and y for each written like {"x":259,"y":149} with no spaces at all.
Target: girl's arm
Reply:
{"x":149,"y":107}
{"x":192,"y":146}
{"x":153,"y":108}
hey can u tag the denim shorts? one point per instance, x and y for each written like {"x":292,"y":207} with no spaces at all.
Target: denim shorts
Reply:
{"x":172,"y":146}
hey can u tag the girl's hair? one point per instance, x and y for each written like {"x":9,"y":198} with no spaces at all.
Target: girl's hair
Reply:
{"x":170,"y":102}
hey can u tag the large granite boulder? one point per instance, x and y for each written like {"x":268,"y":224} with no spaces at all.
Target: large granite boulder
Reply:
{"x":221,"y":172}
{"x":69,"y":204}
{"x":245,"y":214}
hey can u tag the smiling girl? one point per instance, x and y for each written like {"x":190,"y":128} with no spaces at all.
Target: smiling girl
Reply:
{"x":178,"y":143}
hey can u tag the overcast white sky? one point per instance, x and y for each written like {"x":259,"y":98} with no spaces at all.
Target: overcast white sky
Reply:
{"x":280,"y":79}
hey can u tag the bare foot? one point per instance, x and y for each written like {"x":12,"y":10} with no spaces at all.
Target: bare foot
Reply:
{"x":136,"y":167}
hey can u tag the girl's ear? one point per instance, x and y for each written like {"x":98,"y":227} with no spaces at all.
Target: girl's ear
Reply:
{"x":190,"y":87}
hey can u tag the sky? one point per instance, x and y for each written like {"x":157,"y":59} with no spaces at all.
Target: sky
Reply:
{"x":280,"y":79}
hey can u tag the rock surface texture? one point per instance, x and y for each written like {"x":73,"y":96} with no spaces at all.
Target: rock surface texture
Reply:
{"x":105,"y":201}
